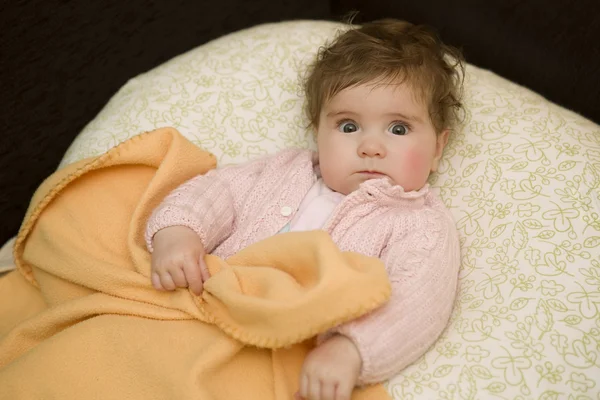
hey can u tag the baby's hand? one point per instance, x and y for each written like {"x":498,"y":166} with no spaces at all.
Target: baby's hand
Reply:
{"x":330,"y":370}
{"x":178,"y":259}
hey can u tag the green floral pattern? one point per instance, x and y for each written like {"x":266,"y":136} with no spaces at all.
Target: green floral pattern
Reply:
{"x":521,"y":177}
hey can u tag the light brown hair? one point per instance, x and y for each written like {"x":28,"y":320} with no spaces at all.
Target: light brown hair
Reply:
{"x":389,"y":52}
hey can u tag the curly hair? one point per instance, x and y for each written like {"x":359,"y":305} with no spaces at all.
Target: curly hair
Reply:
{"x":389,"y":51}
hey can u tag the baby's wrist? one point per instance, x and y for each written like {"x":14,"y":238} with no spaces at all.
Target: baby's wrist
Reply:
{"x":175,"y":234}
{"x":173,"y":230}
{"x":347,"y":346}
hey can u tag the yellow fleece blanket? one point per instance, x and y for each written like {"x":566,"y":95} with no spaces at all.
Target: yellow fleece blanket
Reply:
{"x":79,"y":318}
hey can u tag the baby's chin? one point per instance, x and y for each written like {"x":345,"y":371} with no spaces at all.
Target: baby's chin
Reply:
{"x":406,"y":186}
{"x":353,"y":184}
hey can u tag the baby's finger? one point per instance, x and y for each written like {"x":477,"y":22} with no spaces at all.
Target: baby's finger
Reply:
{"x":156,"y":282}
{"x":314,"y":389}
{"x":178,"y":277}
{"x":203,"y":269}
{"x":343,"y":391}
{"x":193,"y":277}
{"x":167,"y":281}
{"x":327,"y":391}
{"x":303,"y":386}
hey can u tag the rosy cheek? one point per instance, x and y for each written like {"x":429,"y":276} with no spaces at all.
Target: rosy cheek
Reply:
{"x":415,"y":161}
{"x":415,"y":170}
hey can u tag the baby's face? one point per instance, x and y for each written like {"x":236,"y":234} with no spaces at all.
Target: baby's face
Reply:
{"x":377,"y":131}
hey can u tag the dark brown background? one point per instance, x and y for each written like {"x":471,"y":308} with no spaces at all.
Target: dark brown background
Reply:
{"x":60,"y":61}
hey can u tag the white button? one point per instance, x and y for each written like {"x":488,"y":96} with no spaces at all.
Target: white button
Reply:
{"x":286,"y":211}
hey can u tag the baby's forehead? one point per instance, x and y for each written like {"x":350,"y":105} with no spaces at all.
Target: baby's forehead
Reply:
{"x":376,"y":97}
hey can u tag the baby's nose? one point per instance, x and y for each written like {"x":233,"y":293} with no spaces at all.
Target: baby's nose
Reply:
{"x":371,"y":147}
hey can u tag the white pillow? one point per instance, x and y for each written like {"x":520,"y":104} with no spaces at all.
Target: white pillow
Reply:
{"x":522,"y":179}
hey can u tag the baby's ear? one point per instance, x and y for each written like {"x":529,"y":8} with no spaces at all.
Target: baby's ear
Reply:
{"x":440,"y":144}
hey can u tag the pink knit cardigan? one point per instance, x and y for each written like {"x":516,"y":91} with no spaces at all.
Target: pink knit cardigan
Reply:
{"x":413,"y":233}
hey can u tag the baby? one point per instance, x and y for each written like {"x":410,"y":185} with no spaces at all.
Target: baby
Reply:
{"x":382,"y":100}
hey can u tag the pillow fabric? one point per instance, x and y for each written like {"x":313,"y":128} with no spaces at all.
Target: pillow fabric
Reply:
{"x":521,"y":177}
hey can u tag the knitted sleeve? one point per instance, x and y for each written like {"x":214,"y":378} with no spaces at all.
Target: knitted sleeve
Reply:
{"x":423,"y":267}
{"x":207,"y":203}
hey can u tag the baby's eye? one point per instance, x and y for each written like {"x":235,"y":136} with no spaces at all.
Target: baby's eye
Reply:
{"x":398,"y":129}
{"x":347,"y":127}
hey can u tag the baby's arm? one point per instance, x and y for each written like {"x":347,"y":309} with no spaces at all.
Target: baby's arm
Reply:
{"x":192,"y":220}
{"x":196,"y":213}
{"x":207,"y":204}
{"x":423,"y":267}
{"x":203,"y":204}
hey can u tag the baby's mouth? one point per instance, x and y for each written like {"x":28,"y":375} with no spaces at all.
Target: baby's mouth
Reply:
{"x":372,"y":174}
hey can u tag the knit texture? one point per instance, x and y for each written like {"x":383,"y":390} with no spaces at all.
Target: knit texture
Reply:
{"x":85,"y":323}
{"x":413,"y":233}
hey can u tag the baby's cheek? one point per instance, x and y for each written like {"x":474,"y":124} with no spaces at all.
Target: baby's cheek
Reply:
{"x":416,"y":168}
{"x":416,"y":163}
